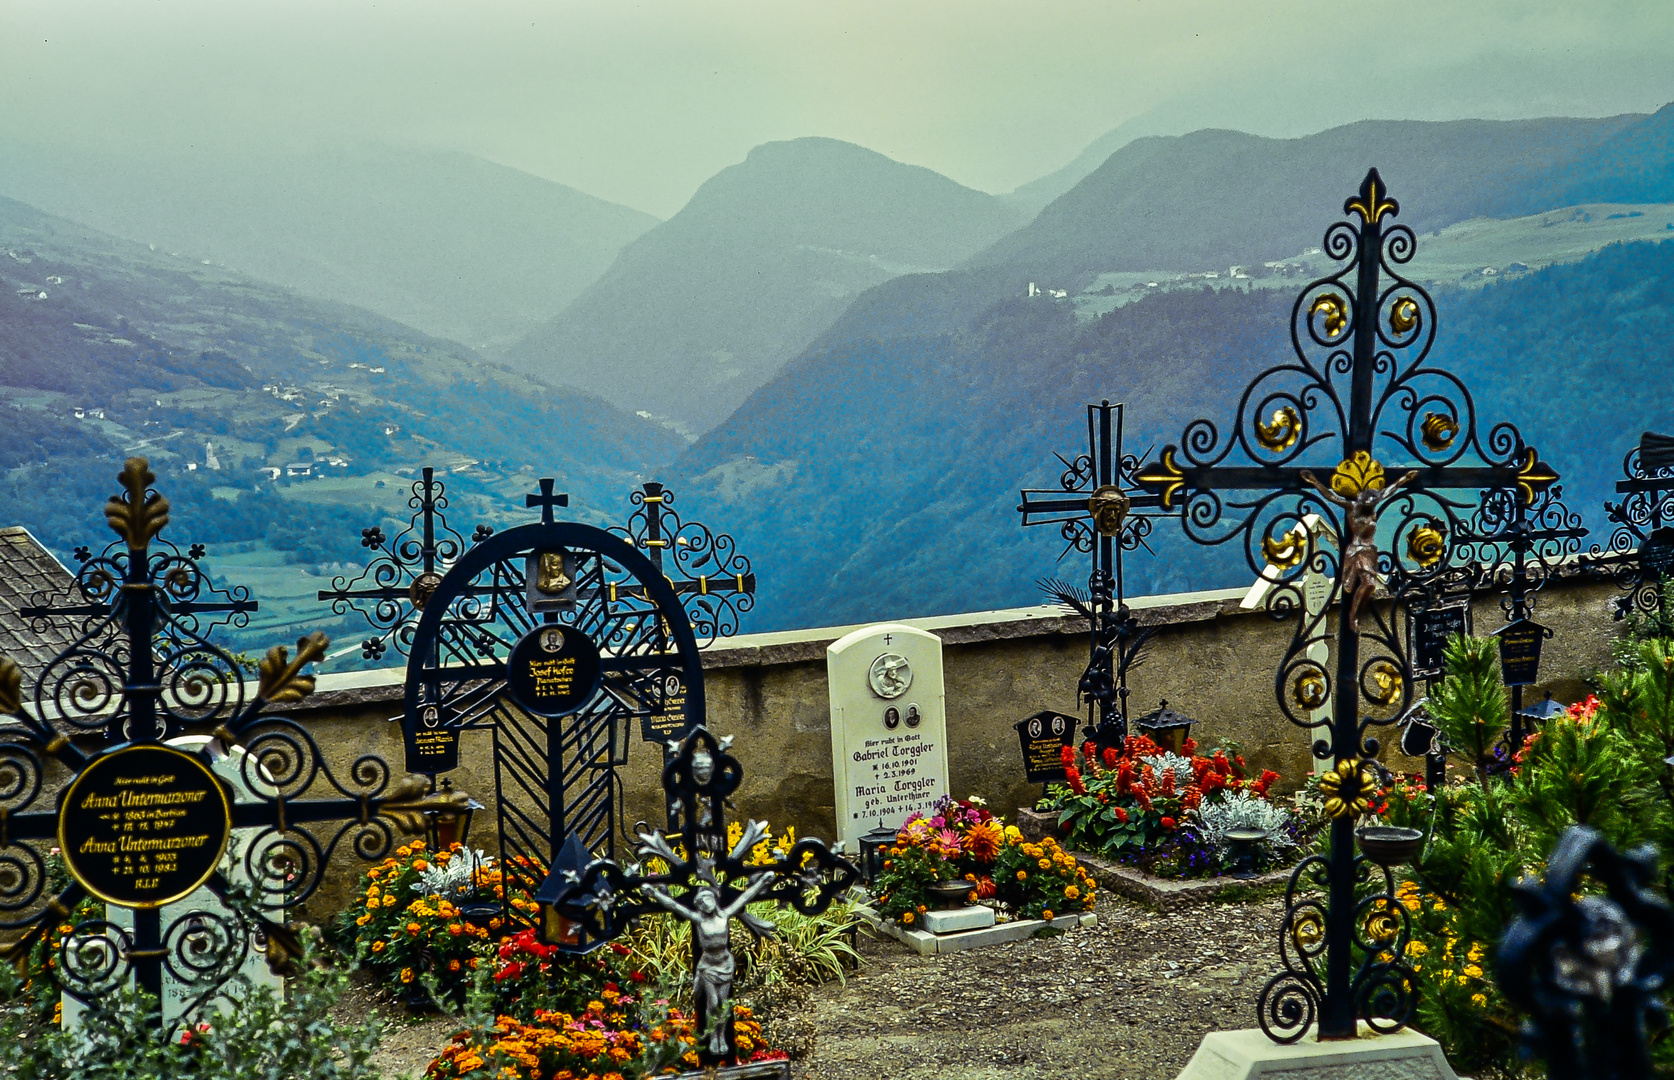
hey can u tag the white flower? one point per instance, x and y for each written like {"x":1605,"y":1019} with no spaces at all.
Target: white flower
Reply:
{"x":977,"y":800}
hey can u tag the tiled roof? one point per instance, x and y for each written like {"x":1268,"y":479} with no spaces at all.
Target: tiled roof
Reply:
{"x":26,"y":569}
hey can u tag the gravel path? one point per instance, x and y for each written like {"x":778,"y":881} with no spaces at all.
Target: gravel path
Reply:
{"x":1130,"y":998}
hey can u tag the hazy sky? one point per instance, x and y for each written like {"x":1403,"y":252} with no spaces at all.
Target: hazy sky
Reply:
{"x":640,"y":102}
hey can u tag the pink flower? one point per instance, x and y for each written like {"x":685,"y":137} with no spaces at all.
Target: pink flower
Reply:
{"x":949,"y":841}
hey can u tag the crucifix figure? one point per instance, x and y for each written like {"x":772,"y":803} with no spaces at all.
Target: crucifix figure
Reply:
{"x":713,"y":971}
{"x":1360,"y":518}
{"x":1360,"y":380}
{"x":1094,"y":508}
{"x":715,"y":884}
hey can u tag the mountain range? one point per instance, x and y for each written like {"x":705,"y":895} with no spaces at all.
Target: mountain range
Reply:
{"x":447,"y":243}
{"x":871,"y":358}
{"x":707,"y":306}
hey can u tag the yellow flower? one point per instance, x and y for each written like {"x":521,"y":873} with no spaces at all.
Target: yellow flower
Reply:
{"x":377,"y":946}
{"x":417,"y":845}
{"x":906,"y":916}
{"x":1479,"y":1000}
{"x":406,"y":975}
{"x":1022,"y":875}
{"x":1044,"y":864}
{"x":403,"y":852}
{"x":363,"y":920}
{"x":1013,"y":834}
{"x":1417,"y":948}
{"x":1047,"y":915}
{"x":420,"y":865}
{"x":1473,"y":971}
{"x":372,"y":890}
{"x":389,"y":900}
{"x":1071,"y":892}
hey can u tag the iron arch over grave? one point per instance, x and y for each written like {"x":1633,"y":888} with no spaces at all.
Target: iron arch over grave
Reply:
{"x":556,"y":755}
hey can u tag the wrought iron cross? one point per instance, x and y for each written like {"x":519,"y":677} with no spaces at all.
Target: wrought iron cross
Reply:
{"x":1094,"y":507}
{"x":1359,"y":383}
{"x":586,"y":907}
{"x":1641,"y":549}
{"x":139,"y":674}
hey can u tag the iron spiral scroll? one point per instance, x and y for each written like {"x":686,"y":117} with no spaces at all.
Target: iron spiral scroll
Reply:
{"x":1639,"y":555}
{"x":1362,"y":438}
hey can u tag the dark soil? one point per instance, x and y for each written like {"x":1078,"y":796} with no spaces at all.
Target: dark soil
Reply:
{"x":1130,"y":998}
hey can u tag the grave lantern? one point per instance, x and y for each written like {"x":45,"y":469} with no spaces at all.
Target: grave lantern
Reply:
{"x":449,"y":822}
{"x":555,"y":928}
{"x":1166,"y":727}
{"x":872,"y":845}
{"x":1541,"y":711}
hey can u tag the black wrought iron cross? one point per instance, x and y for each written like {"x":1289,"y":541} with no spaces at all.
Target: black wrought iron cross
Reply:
{"x":1370,"y":326}
{"x":405,"y":570}
{"x":1640,"y":555}
{"x":139,"y":674}
{"x":584,"y":907}
{"x":1098,"y":510}
{"x":546,"y":499}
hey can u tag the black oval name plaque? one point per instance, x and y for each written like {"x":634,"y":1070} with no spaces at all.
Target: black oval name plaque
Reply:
{"x":144,"y":826}
{"x":553,"y":670}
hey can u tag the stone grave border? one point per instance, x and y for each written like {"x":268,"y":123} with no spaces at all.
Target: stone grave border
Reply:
{"x":927,"y":944}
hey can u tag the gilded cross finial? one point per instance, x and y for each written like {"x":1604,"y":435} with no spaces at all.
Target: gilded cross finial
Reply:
{"x":1373,"y":201}
{"x":141,"y":515}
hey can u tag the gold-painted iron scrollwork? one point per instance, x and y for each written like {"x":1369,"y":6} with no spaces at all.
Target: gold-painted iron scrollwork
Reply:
{"x":1333,"y":310}
{"x":1285,"y":551}
{"x":1403,"y":315}
{"x":1356,"y":474}
{"x":1281,"y":432}
{"x":1373,"y":201}
{"x":1534,"y":476}
{"x":1438,"y":431}
{"x":1307,"y":930}
{"x":1165,"y":478}
{"x":1108,"y":504}
{"x":280,"y":676}
{"x":1309,"y":689}
{"x":1382,"y":925}
{"x":11,"y":686}
{"x":1426,"y":544}
{"x":1347,"y":788}
{"x":1387,"y":683}
{"x":140,"y":515}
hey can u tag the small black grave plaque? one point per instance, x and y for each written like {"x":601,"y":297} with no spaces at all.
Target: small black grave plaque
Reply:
{"x":144,"y":826}
{"x":432,"y":742}
{"x":1432,"y":629}
{"x":1520,"y":651}
{"x":553,"y":670}
{"x":669,"y":724}
{"x":1043,"y":737}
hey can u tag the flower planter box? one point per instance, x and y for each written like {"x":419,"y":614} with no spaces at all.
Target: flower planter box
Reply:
{"x":928,"y":944}
{"x":1166,"y":894}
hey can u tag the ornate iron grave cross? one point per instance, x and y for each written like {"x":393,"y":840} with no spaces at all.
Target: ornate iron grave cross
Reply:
{"x":1359,"y":382}
{"x":1094,"y":508}
{"x":393,"y":588}
{"x":1641,"y":552}
{"x":583,"y":907}
{"x":144,"y":820}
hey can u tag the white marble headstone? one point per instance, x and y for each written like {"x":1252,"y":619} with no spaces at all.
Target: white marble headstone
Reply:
{"x":888,"y":727}
{"x":176,"y":996}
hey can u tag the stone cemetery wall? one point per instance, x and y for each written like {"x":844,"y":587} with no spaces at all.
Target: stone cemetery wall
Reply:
{"x":1212,"y":660}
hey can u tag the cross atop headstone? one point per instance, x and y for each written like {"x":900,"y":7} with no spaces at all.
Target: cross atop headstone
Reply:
{"x":1303,"y":443}
{"x":546,"y":499}
{"x":1094,"y":507}
{"x":1640,"y":554}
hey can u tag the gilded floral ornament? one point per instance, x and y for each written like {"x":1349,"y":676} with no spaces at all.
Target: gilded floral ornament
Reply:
{"x":1165,"y":478}
{"x":1426,"y":544}
{"x":1534,"y":476}
{"x":1309,"y":689}
{"x":1356,"y":474}
{"x":1382,"y":926}
{"x":11,"y":686}
{"x":1285,"y":551}
{"x":139,"y":516}
{"x":1373,"y":201}
{"x":1347,"y":788}
{"x":1334,"y":311}
{"x":1403,"y":316}
{"x":1438,"y":431}
{"x":1387,"y":683}
{"x":280,"y":677}
{"x":1281,"y":432}
{"x":1308,"y":931}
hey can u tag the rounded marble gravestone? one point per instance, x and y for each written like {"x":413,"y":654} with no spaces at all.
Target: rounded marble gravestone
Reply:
{"x":888,"y":727}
